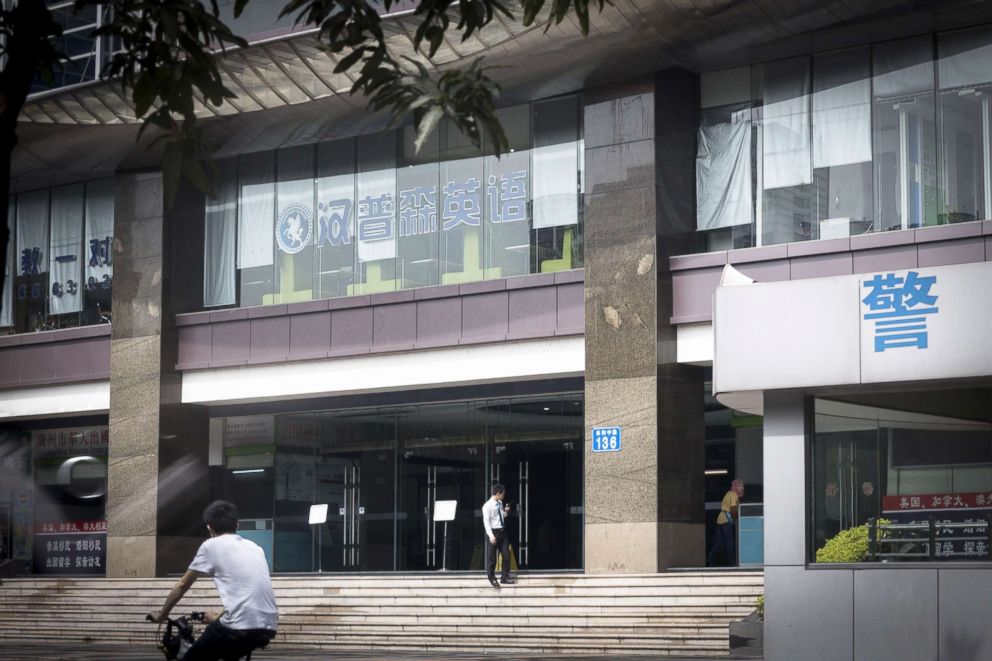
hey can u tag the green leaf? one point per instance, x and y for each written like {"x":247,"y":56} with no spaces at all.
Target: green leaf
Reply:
{"x":426,"y":126}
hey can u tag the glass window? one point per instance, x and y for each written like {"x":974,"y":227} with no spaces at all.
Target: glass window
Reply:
{"x":904,"y":134}
{"x":842,"y":171}
{"x":903,"y":477}
{"x":7,"y":295}
{"x":557,"y":177}
{"x":507,"y":193}
{"x":461,"y":207}
{"x":417,"y":176}
{"x":31,"y":282}
{"x":65,"y":255}
{"x":294,"y":225}
{"x":784,"y":138}
{"x":335,"y":253}
{"x":99,"y":272}
{"x":256,"y":178}
{"x":375,"y":182}
{"x":219,"y":237}
{"x":965,"y":79}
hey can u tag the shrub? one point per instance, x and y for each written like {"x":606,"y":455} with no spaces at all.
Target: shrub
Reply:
{"x":759,"y":607}
{"x":849,"y":545}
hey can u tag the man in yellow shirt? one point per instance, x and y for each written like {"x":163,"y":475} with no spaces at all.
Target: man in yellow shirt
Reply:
{"x":726,"y":525}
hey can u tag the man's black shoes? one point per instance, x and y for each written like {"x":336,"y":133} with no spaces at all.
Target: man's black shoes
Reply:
{"x":507,"y":581}
{"x":494,"y":583}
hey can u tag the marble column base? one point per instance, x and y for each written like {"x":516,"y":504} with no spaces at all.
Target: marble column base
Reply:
{"x":131,"y":557}
{"x":621,"y":548}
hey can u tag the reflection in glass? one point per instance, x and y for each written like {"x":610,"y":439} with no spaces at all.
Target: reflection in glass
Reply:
{"x":375,"y":213}
{"x":417,"y":176}
{"x":965,"y":78}
{"x":907,"y":468}
{"x":461,"y":207}
{"x":256,"y":218}
{"x":784,"y":139}
{"x":31,"y":282}
{"x":556,"y":180}
{"x":294,"y":231}
{"x":507,"y":192}
{"x":335,"y":224}
{"x":380,"y":471}
{"x":842,"y":173}
{"x":904,"y":134}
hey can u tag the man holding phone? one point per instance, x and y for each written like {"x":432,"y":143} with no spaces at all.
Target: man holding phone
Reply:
{"x":493,"y":513}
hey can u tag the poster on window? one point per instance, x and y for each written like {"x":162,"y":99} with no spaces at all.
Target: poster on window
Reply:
{"x":959,"y":543}
{"x":65,"y":291}
{"x":99,"y":238}
{"x":376,"y":215}
{"x":70,"y":547}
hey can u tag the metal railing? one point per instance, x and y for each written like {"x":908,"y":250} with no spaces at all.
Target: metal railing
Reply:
{"x":921,"y":541}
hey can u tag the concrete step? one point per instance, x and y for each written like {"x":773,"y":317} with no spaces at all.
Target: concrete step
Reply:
{"x":686,"y":613}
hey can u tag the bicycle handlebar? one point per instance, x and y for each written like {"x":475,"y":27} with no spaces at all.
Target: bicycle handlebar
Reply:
{"x":195,"y":616}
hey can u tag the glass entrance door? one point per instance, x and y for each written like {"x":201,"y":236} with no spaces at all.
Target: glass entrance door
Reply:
{"x":355,"y":478}
{"x":442,"y":454}
{"x":537,"y":456}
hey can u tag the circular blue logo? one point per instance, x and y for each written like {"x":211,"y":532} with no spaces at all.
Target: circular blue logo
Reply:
{"x":294,"y":228}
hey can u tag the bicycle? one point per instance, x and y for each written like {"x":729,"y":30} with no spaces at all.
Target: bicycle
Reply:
{"x":175,"y":645}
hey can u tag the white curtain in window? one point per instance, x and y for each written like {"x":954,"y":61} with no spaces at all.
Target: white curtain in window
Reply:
{"x":32,"y":233}
{"x":376,"y":213}
{"x":842,"y":125}
{"x":555,"y":177}
{"x":786,"y":135}
{"x":98,"y":247}
{"x":65,"y":255}
{"x":256,"y":225}
{"x":7,"y":296}
{"x":219,"y":236}
{"x":723,"y":173}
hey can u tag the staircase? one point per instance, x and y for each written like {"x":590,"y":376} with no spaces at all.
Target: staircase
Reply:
{"x":682,"y":613}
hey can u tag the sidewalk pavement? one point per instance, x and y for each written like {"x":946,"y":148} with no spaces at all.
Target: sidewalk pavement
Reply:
{"x":89,"y":652}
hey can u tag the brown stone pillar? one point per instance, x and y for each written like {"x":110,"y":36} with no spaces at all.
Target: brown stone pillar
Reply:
{"x":157,"y":464}
{"x":644,"y":504}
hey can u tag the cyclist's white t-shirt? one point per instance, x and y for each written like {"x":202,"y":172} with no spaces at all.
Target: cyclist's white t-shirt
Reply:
{"x":241,"y":574}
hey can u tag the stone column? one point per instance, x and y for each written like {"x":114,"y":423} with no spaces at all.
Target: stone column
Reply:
{"x":135,"y":375}
{"x":644,"y":504}
{"x":156,"y":476}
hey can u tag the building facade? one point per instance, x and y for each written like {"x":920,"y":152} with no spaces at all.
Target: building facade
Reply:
{"x":725,"y":243}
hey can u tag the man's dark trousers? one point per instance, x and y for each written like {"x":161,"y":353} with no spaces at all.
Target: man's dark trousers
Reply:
{"x":220,"y":642}
{"x":726,"y":541}
{"x":502,"y":546}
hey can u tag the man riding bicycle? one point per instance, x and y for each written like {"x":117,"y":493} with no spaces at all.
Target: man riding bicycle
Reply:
{"x":241,"y":574}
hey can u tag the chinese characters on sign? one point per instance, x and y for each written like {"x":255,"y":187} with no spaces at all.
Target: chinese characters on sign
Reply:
{"x":379,"y":219}
{"x":898,"y":307}
{"x":71,"y":547}
{"x":606,"y":439}
{"x":945,"y":509}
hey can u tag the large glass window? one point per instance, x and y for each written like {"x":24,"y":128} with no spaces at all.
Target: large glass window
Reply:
{"x":867,"y":139}
{"x":964,"y":76}
{"x":373,"y":214}
{"x":53,"y":485}
{"x":381,"y":471}
{"x":915,"y":479}
{"x":59,"y":258}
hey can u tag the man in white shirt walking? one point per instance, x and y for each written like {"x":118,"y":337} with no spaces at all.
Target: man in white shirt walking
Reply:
{"x":493,"y":512}
{"x":241,"y":574}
